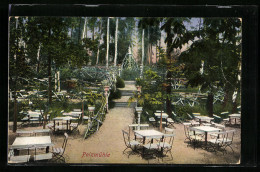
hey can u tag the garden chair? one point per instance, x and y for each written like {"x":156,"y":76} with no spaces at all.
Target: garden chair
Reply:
{"x":151,"y":149}
{"x":226,"y":121}
{"x":142,"y":127}
{"x":170,"y":122}
{"x":168,"y":130}
{"x":222,"y":127}
{"x":152,"y":121}
{"x":59,"y":152}
{"x":224,"y":140}
{"x":17,"y":158}
{"x":130,"y":144}
{"x":41,"y":157}
{"x":166,"y":145}
{"x":74,"y":126}
{"x":193,"y":137}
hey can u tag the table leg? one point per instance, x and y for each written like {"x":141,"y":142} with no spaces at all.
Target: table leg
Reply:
{"x":47,"y":149}
{"x":230,"y":120}
{"x":67,"y":125}
{"x":143,"y":143}
{"x":16,"y":152}
{"x":206,"y":137}
{"x":235,"y":120}
{"x":54,"y":125}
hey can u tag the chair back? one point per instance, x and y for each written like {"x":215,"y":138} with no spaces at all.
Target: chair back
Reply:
{"x":186,"y":129}
{"x":154,"y":138}
{"x":166,"y":140}
{"x":66,"y":137}
{"x":168,"y":130}
{"x":126,"y":137}
{"x":229,"y":136}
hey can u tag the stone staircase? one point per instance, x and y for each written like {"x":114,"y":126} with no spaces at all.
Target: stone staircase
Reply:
{"x":126,"y":93}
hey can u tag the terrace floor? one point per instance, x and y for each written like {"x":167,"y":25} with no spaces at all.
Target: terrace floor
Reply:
{"x":109,"y":140}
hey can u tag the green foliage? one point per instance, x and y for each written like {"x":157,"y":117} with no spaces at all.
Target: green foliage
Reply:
{"x":128,"y":75}
{"x":182,"y":111}
{"x":115,"y":94}
{"x":120,"y":82}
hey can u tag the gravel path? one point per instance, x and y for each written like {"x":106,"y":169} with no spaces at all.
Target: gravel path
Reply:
{"x":108,"y":140}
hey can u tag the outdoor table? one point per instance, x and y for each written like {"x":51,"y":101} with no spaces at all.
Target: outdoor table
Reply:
{"x":235,"y":115}
{"x":205,"y":129}
{"x":158,"y":115}
{"x":67,"y":119}
{"x":203,"y":118}
{"x":29,"y":142}
{"x":74,"y":114}
{"x":147,"y":134}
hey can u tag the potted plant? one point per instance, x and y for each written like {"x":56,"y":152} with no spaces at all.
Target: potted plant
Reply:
{"x":105,"y":84}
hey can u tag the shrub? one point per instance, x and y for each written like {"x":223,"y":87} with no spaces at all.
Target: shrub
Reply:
{"x":115,"y":94}
{"x":120,"y":82}
{"x":182,"y":111}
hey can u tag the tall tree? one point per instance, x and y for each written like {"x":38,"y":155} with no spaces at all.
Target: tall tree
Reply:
{"x":176,"y":37}
{"x":115,"y":59}
{"x":18,"y":64}
{"x":99,"y":38}
{"x":221,"y":53}
{"x":107,"y":54}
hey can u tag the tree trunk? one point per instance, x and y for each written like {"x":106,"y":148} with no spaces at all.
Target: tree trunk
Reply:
{"x":84,"y":28}
{"x":49,"y":76}
{"x":142,"y":67}
{"x":79,"y":30}
{"x":148,"y":47}
{"x":226,"y":98}
{"x":93,"y":33}
{"x":209,"y":104}
{"x":107,"y":42}
{"x":38,"y":59}
{"x":100,"y":38}
{"x":15,"y":113}
{"x":168,"y":78}
{"x":115,"y":60}
{"x":151,"y":53}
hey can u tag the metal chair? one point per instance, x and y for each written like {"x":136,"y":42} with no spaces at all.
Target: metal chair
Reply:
{"x":59,"y":152}
{"x":224,"y":140}
{"x":18,"y":158}
{"x":170,"y":122}
{"x":151,"y":149}
{"x":166,"y":145}
{"x":168,"y":130}
{"x":152,"y":121}
{"x":130,"y":144}
{"x":193,"y":137}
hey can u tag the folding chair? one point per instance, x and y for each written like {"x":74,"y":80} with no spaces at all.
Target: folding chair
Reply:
{"x":151,"y":149}
{"x":170,"y":122}
{"x":130,"y":144}
{"x":59,"y":152}
{"x":166,"y":145}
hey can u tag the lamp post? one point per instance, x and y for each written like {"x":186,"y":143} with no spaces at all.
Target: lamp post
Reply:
{"x":106,"y":89}
{"x":139,"y":111}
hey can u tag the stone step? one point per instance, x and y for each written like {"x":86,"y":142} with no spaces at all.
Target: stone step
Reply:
{"x":129,"y":82}
{"x":127,"y":93}
{"x":124,"y":104}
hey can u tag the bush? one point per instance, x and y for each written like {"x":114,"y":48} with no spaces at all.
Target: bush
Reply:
{"x":115,"y":94}
{"x":120,"y":82}
{"x":182,"y":111}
